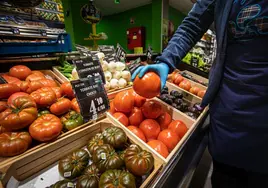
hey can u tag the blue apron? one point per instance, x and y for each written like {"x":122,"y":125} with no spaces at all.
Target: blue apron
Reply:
{"x":239,"y":114}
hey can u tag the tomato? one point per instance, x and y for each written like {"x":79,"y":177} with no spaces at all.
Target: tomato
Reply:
{"x":62,"y":183}
{"x":159,"y":147}
{"x":112,"y":109}
{"x":11,"y":79}
{"x":3,"y":130}
{"x":115,"y":137}
{"x":178,"y":127}
{"x":25,"y":87}
{"x":122,"y":118}
{"x":44,"y":96}
{"x":75,"y":105}
{"x":57,"y":91}
{"x":138,"y":162}
{"x":62,"y":106}
{"x":72,"y":120}
{"x":152,"y":109}
{"x":201,"y":93}
{"x":135,"y":130}
{"x":90,"y":177}
{"x":164,"y":120}
{"x":194,"y":90}
{"x":94,"y":143}
{"x":178,"y":79}
{"x":20,"y":114}
{"x":73,"y":165}
{"x":136,"y":117}
{"x":37,"y":84}
{"x":185,"y":84}
{"x":116,"y":179}
{"x":48,"y":83}
{"x":46,"y":128}
{"x":124,"y":102}
{"x":16,"y":95}
{"x":138,"y":100}
{"x":20,"y":71}
{"x":35,"y":77}
{"x":67,"y":90}
{"x":3,"y":106}
{"x":6,"y":90}
{"x":37,"y":72}
{"x":12,"y":144}
{"x":169,"y":138}
{"x":148,"y":86}
{"x":150,"y":128}
{"x":105,"y":158}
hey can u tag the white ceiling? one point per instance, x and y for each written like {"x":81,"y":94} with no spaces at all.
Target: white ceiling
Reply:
{"x":108,"y":7}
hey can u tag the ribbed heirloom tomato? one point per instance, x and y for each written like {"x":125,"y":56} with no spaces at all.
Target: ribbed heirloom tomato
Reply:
{"x":159,"y":147}
{"x":122,"y":118}
{"x":46,"y":128}
{"x":185,"y":84}
{"x":169,"y":138}
{"x":58,"y":91}
{"x":6,"y":90}
{"x":148,"y":86}
{"x":136,"y":117}
{"x":62,"y":106}
{"x":150,"y":128}
{"x":124,"y":102}
{"x":44,"y":96}
{"x":11,"y":79}
{"x":152,"y":109}
{"x":3,"y":106}
{"x":164,"y":120}
{"x":75,"y":105}
{"x":16,"y":95}
{"x":20,"y":71}
{"x":137,"y":132}
{"x":67,"y":90}
{"x":178,"y":127}
{"x":34,"y":77}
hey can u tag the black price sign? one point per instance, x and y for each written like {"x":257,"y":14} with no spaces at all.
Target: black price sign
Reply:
{"x":2,"y":80}
{"x":109,"y":52}
{"x":91,"y":97}
{"x":149,"y":54}
{"x":133,"y":65}
{"x":16,"y":31}
{"x":83,"y":51}
{"x":120,"y":53}
{"x":43,"y":33}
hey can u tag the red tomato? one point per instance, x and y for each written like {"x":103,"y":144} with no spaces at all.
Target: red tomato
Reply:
{"x":150,"y":128}
{"x":148,"y":86}
{"x":25,"y":87}
{"x":159,"y":147}
{"x":139,"y":100}
{"x":122,"y":118}
{"x":48,"y":83}
{"x":61,"y":107}
{"x":152,"y":109}
{"x":185,"y":84}
{"x":34,"y":77}
{"x":38,"y":72}
{"x":201,"y":93}
{"x":16,"y":95}
{"x":136,"y":117}
{"x":44,"y":97}
{"x":112,"y":110}
{"x":164,"y":120}
{"x":4,"y":130}
{"x":20,"y":71}
{"x":194,"y":90}
{"x":67,"y":90}
{"x":11,"y":79}
{"x":124,"y":102}
{"x":57,"y":91}
{"x":75,"y":105}
{"x":178,"y":79}
{"x":169,"y":138}
{"x":46,"y":128}
{"x":6,"y":90}
{"x":178,"y":127}
{"x":3,"y":106}
{"x":137,"y":132}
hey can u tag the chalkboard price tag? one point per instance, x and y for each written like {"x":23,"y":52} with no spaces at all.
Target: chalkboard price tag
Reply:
{"x":120,"y":53}
{"x":149,"y":54}
{"x":134,"y":65}
{"x":109,"y":52}
{"x":91,"y":97}
{"x":84,"y":51}
{"x":2,"y":80}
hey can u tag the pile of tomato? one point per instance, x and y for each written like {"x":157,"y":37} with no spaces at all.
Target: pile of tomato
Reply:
{"x":34,"y":107}
{"x":109,"y":160}
{"x":186,"y":85}
{"x":147,"y":120}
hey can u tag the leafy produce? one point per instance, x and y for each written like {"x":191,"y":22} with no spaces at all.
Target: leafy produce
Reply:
{"x":94,"y":143}
{"x":6,"y":90}
{"x":75,"y":105}
{"x":169,"y":138}
{"x":178,"y":127}
{"x":115,"y":136}
{"x":72,"y":120}
{"x":150,"y":128}
{"x":62,"y":184}
{"x":15,"y":143}
{"x":20,"y":114}
{"x":122,"y":118}
{"x":45,"y":128}
{"x":62,"y":106}
{"x":73,"y":165}
{"x":137,"y":132}
{"x":152,"y":109}
{"x":124,"y":102}
{"x":44,"y":96}
{"x":159,"y":147}
{"x":106,"y":158}
{"x":66,"y":69}
{"x":117,"y":178}
{"x":136,"y":117}
{"x":90,"y":178}
{"x":139,"y":162}
{"x":148,"y":86}
{"x":164,"y":120}
{"x":67,"y":90}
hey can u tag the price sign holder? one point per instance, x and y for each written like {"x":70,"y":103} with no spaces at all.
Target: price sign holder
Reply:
{"x":149,"y":54}
{"x":109,"y":52}
{"x":120,"y":53}
{"x":91,"y":97}
{"x":133,"y":65}
{"x":84,"y":51}
{"x":2,"y":80}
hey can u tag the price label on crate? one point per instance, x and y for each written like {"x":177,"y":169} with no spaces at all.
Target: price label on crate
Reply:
{"x":120,"y":53}
{"x":109,"y":52}
{"x":133,"y":65}
{"x":2,"y":80}
{"x":91,"y":97}
{"x":15,"y":31}
{"x":84,"y":51}
{"x":43,"y":33}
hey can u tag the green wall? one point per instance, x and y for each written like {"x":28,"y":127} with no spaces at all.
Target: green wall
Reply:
{"x":175,"y":16}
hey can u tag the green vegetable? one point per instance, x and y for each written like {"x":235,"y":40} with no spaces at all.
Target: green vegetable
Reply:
{"x":43,"y":112}
{"x":72,"y":120}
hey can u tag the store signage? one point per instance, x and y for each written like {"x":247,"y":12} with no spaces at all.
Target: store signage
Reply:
{"x":133,"y":65}
{"x":149,"y":54}
{"x":109,"y":52}
{"x":120,"y":53}
{"x":16,"y":31}
{"x":2,"y":80}
{"x":91,"y":97}
{"x":84,"y":51}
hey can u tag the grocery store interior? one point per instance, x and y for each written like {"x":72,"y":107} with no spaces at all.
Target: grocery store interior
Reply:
{"x":70,"y":113}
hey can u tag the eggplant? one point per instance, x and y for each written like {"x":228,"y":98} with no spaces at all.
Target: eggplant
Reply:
{"x":178,"y":101}
{"x":184,"y":107}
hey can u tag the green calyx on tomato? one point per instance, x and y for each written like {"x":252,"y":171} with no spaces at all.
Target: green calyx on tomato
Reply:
{"x":72,"y":120}
{"x":43,"y":112}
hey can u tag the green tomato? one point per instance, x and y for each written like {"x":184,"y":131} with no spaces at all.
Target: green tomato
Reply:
{"x":43,"y":112}
{"x":72,"y":120}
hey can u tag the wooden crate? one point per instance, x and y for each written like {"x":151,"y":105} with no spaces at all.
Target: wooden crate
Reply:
{"x":37,"y":160}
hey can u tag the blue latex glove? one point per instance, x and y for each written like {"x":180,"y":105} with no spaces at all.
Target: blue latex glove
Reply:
{"x":161,"y":69}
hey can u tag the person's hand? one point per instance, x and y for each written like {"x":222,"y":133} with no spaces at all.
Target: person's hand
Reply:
{"x":161,"y":69}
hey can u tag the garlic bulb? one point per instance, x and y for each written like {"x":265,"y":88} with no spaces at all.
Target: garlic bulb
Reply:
{"x":122,"y":82}
{"x":114,"y":83}
{"x":126,"y":75}
{"x":120,"y":66}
